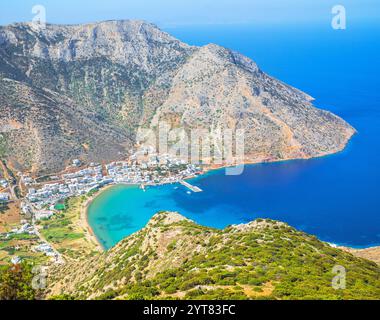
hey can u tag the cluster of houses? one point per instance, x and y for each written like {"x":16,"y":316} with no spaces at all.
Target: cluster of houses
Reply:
{"x":71,"y":184}
{"x":43,"y":214}
{"x":25,"y":228}
{"x":41,"y":200}
{"x":46,"y":249}
{"x":153,"y":171}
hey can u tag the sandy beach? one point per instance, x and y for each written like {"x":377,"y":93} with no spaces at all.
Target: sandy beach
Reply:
{"x":90,"y":235}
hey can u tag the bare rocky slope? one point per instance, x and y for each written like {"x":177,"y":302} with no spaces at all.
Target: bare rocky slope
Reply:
{"x":174,"y":258}
{"x":82,"y":91}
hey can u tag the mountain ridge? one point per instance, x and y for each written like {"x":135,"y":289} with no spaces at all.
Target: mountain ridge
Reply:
{"x":175,"y":258}
{"x":128,"y":75}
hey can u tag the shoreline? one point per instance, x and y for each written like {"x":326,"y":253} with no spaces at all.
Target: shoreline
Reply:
{"x":90,"y":234}
{"x":360,"y":252}
{"x":212,"y":168}
{"x":371,"y":253}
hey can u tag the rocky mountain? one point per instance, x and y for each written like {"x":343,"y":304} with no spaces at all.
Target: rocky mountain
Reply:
{"x":174,"y":258}
{"x":83,"y":91}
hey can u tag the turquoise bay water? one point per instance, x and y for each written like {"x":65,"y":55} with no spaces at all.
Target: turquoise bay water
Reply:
{"x":336,"y":197}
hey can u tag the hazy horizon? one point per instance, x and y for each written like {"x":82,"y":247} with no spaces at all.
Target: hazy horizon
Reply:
{"x":169,"y":13}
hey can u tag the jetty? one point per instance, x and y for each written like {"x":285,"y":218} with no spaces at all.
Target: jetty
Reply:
{"x":191,"y":187}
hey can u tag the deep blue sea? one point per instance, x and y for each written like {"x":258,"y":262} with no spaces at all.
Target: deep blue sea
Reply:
{"x":336,"y":198}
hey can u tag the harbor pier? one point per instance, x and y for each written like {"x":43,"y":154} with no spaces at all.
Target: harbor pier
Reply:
{"x":191,"y":187}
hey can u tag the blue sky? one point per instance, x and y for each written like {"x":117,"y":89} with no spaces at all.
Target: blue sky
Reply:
{"x":190,"y":12}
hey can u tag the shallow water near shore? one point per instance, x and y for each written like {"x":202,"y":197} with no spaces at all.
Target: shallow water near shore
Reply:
{"x":335,"y":198}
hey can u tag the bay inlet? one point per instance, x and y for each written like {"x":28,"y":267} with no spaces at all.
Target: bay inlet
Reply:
{"x":335,"y":198}
{"x":302,"y":193}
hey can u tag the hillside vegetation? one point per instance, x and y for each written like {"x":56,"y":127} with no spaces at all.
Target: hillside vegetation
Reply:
{"x":174,"y":258}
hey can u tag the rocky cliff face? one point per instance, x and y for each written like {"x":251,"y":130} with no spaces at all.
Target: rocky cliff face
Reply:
{"x":82,"y":91}
{"x":172,"y":257}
